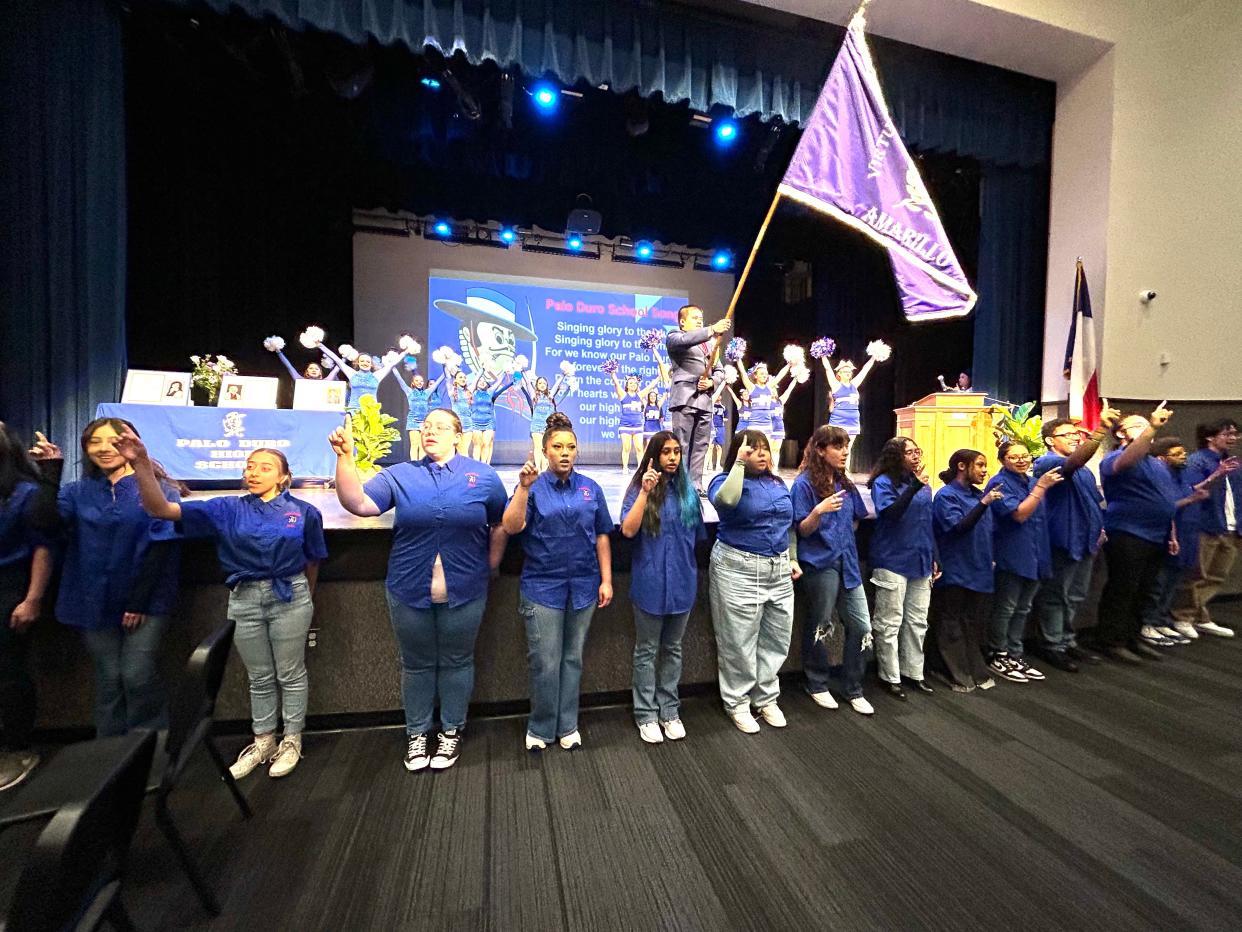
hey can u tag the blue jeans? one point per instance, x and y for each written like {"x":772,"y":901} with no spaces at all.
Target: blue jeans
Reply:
{"x":555,"y":638}
{"x":824,"y":595}
{"x":1059,"y":598}
{"x":129,"y":690}
{"x":657,"y":665}
{"x":1011,"y":604}
{"x":437,"y":659}
{"x":271,"y":639}
{"x":1158,"y":604}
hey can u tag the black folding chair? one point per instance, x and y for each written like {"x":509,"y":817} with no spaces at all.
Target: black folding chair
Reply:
{"x":189,"y":725}
{"x":74,"y":874}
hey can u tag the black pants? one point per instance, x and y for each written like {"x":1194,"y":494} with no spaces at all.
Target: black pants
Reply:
{"x":957,"y":620}
{"x":1133,"y":578}
{"x":693,"y":429}
{"x":17,"y":689}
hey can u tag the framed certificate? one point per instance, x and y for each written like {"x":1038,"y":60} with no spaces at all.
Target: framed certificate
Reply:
{"x":153,"y":387}
{"x":319,"y":394}
{"x":247,"y":391}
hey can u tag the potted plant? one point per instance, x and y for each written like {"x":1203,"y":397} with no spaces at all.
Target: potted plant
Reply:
{"x":1015,"y":422}
{"x":373,"y":435}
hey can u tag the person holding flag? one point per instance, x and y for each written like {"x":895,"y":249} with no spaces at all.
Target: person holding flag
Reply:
{"x":695,"y":373}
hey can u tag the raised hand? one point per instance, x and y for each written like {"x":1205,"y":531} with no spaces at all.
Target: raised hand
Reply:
{"x":724,"y":325}
{"x":529,"y":473}
{"x":1050,"y":478}
{"x":129,"y":446}
{"x":342,"y":439}
{"x":834,"y":502}
{"x":744,"y":451}
{"x":44,"y":449}
{"x":1228,"y":465}
{"x":995,"y":495}
{"x":650,"y":477}
{"x":1108,"y":414}
{"x":1161,"y":415}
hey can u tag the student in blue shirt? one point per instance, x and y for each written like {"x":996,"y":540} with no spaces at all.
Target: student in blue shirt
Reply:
{"x":826,"y":512}
{"x":419,"y":397}
{"x":750,"y":580}
{"x":963,"y":523}
{"x":1219,"y":527}
{"x":1020,"y":549}
{"x":445,"y":541}
{"x":119,"y":582}
{"x":661,"y":512}
{"x":28,"y":525}
{"x":1074,"y":511}
{"x":564,"y":525}
{"x":903,"y":563}
{"x":270,"y":544}
{"x":1141,"y":500}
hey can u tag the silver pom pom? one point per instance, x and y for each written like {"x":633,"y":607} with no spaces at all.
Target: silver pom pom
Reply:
{"x":311,"y":337}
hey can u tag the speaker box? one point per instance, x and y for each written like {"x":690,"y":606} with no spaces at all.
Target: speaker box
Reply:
{"x":586,"y":222}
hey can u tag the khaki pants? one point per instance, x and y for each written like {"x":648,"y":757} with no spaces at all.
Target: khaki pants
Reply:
{"x":1216,"y":555}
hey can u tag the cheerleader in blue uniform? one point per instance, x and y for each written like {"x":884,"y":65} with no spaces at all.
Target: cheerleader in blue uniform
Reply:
{"x":715,"y":452}
{"x":778,"y":417}
{"x":845,"y":384}
{"x":313,"y":371}
{"x":542,"y":401}
{"x":419,"y":395}
{"x":364,"y":378}
{"x":653,"y":414}
{"x":762,"y":397}
{"x":461,"y":400}
{"x":487,"y":388}
{"x":630,"y":429}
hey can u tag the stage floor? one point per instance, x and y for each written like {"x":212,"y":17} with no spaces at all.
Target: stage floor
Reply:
{"x":612,"y":479}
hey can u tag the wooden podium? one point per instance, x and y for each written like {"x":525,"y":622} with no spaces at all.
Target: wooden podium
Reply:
{"x":943,"y":422}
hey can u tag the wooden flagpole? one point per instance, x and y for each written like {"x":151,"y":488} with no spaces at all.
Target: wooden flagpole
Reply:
{"x":741,"y":282}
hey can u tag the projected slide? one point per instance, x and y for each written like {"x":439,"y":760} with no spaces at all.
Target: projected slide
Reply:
{"x":490,"y":320}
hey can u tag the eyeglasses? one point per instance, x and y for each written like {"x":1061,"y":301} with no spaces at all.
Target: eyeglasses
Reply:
{"x":1066,"y":434}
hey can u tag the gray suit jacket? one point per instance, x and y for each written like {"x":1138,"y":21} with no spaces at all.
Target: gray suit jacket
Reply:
{"x":689,"y":357}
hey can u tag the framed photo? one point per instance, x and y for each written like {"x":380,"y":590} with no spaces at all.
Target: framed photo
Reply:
{"x":153,"y":387}
{"x":247,"y":391}
{"x":320,"y":394}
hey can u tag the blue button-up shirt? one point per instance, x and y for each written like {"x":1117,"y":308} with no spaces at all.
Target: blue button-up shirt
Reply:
{"x":563,"y":519}
{"x":832,"y":543}
{"x":664,"y":575}
{"x":1018,"y":547}
{"x":1210,"y":514}
{"x":1187,"y":520}
{"x":19,"y":533}
{"x":1140,"y":499}
{"x":965,"y":556}
{"x":441,"y":509}
{"x":107,"y":536}
{"x":905,"y":546}
{"x":1073,"y":509}
{"x":760,"y":521}
{"x":258,"y":541}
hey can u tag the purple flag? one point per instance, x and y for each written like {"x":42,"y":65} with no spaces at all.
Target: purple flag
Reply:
{"x":852,"y":165}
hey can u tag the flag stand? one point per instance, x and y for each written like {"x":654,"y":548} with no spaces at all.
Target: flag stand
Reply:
{"x":750,"y":260}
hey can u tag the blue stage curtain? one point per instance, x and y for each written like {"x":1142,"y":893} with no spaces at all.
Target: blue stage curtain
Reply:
{"x":1013,"y":265}
{"x":62,"y":199}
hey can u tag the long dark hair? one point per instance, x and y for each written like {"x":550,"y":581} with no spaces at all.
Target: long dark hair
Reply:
{"x":891,"y":461}
{"x":15,"y":463}
{"x":119,"y":424}
{"x":755,"y":438}
{"x":823,"y":477}
{"x":680,"y":485}
{"x":956,"y":461}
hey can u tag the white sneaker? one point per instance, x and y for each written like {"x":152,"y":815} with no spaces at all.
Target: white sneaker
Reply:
{"x":862,"y":706}
{"x":773,"y":715}
{"x":674,"y":730}
{"x":1211,"y":627}
{"x":260,"y":752}
{"x":650,"y":732}
{"x":1153,"y":637}
{"x":745,"y":722}
{"x":824,"y":699}
{"x":571,"y":741}
{"x":1172,"y":634}
{"x":535,"y":744}
{"x":1186,"y":630}
{"x":286,"y":757}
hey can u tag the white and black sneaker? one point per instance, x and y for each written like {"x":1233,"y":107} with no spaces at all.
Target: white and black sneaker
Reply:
{"x":448,"y":747}
{"x":1002,"y":665}
{"x":1027,"y":670}
{"x":1149,"y":635}
{"x":416,"y":756}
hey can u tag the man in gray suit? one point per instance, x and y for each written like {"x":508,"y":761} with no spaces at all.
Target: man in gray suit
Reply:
{"x":694,"y":378}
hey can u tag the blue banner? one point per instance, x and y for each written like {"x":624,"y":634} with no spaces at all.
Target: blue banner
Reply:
{"x":490,"y":321}
{"x":213,"y":443}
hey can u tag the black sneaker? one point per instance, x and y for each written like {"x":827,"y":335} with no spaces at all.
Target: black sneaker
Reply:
{"x":1082,"y":655}
{"x":1061,"y":660}
{"x":448,"y":747}
{"x":416,"y":757}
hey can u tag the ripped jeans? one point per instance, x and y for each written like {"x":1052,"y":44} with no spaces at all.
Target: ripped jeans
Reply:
{"x":824,"y":595}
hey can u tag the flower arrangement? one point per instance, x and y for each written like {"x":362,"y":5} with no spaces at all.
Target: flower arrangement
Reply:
{"x":823,"y":348}
{"x":209,"y":371}
{"x":610,"y":365}
{"x":651,"y":338}
{"x":879,"y":350}
{"x":735,"y":350}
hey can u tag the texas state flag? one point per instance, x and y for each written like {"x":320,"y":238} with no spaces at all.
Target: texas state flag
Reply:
{"x":1082,"y":360}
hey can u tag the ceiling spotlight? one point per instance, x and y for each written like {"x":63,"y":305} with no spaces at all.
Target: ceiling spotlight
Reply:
{"x":722,"y":259}
{"x":508,"y":234}
{"x":643,"y":249}
{"x":573,"y":241}
{"x":429,"y":82}
{"x":442,"y":228}
{"x":726,"y":131}
{"x":545,"y":96}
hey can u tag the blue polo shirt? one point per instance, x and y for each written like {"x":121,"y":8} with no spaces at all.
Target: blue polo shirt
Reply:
{"x":19,"y":534}
{"x":107,"y":535}
{"x":965,"y":556}
{"x":760,"y":521}
{"x":1187,"y":520}
{"x":1072,"y":509}
{"x":257,"y":540}
{"x":444,"y":509}
{"x":1018,"y":547}
{"x":664,"y":576}
{"x":563,"y":519}
{"x":1140,"y":499}
{"x":1210,"y":514}
{"x":905,"y":546}
{"x":833,"y":543}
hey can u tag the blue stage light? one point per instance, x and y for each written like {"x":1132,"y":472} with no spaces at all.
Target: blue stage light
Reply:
{"x":644,"y":250}
{"x":508,"y":234}
{"x":722,"y":259}
{"x":432,"y":83}
{"x":726,"y":131}
{"x":442,"y":228}
{"x":546,"y":96}
{"x":574,"y":241}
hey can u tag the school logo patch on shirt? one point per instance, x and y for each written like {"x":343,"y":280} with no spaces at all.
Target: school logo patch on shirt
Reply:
{"x":292,"y":518}
{"x":472,"y":479}
{"x":586,"y":493}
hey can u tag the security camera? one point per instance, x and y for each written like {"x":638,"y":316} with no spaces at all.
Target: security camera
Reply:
{"x":1147,"y":296}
